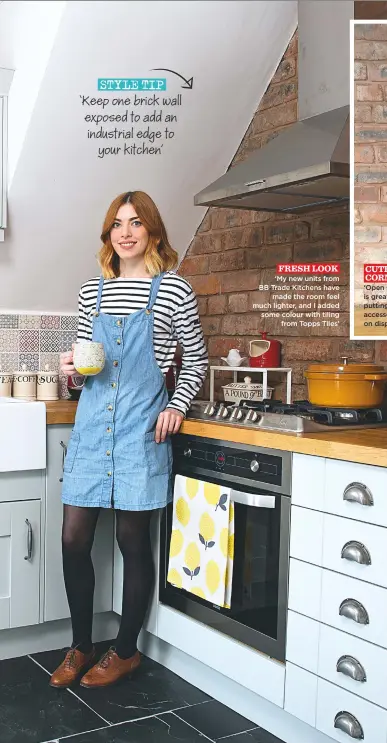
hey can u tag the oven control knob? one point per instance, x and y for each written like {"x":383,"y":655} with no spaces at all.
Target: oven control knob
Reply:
{"x":222,"y":412}
{"x":252,"y":416}
{"x":187,"y":452}
{"x":210,"y":409}
{"x":254,"y":465}
{"x":237,"y":414}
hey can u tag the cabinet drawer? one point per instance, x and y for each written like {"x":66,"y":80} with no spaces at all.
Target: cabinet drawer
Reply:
{"x":305,"y":588}
{"x":320,"y":539}
{"x":369,"y":484}
{"x":308,"y":477}
{"x":28,"y":485}
{"x":333,"y":704}
{"x":353,"y":664}
{"x":306,"y":535}
{"x":341,"y":596}
{"x":302,"y":641}
{"x":300,"y":694}
{"x":318,"y":594}
{"x":355,"y":549}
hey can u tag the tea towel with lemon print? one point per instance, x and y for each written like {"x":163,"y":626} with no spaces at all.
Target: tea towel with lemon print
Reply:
{"x":202,"y":543}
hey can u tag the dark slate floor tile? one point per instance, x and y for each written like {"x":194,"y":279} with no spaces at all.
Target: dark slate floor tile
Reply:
{"x":31,"y":711}
{"x":152,"y":690}
{"x":253,"y":736}
{"x":165,"y":729}
{"x":215,"y":720}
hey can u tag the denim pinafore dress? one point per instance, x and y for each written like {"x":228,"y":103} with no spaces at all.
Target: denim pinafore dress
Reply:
{"x":113,"y":460}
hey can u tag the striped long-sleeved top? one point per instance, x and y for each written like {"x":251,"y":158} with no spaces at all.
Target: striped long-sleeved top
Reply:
{"x":176,"y":319}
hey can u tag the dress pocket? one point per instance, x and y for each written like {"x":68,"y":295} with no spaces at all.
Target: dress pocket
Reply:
{"x":72,"y":449}
{"x":158,"y":456}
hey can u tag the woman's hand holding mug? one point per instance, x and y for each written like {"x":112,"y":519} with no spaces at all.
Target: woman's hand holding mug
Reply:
{"x":85,"y":358}
{"x":67,"y":363}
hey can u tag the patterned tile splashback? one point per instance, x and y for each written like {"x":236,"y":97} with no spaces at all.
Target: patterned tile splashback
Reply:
{"x":36,"y":341}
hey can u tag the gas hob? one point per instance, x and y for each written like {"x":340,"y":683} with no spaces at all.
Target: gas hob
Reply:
{"x":298,"y":417}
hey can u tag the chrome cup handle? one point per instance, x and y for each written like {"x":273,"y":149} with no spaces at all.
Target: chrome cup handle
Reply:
{"x":349,"y":666}
{"x":356,"y":492}
{"x":352,"y":609}
{"x":348,"y":724}
{"x":356,"y":552}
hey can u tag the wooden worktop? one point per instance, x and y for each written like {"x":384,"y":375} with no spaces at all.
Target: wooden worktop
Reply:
{"x":367,"y":446}
{"x":61,"y":411}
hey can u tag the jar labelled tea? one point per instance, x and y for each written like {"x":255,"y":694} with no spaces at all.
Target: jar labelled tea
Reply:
{"x":5,"y":384}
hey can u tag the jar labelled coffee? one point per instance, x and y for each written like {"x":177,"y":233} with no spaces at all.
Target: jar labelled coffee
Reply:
{"x":24,"y":384}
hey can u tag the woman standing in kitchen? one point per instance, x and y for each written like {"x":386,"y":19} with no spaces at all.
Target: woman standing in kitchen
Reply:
{"x":119,"y":455}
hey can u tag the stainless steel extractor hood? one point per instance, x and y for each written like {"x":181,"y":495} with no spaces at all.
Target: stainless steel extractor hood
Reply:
{"x":307,"y":165}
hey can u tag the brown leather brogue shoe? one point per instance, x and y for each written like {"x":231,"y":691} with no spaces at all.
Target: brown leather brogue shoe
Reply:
{"x":74,"y":664}
{"x":110,"y":669}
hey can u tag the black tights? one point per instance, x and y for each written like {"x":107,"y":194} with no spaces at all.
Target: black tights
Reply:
{"x":133,"y":537}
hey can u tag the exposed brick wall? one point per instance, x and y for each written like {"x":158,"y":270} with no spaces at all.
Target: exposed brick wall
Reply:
{"x":234,"y":251}
{"x":370,"y":193}
{"x":370,"y":9}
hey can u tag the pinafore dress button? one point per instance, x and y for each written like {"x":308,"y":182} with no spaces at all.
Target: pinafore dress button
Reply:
{"x":119,"y":323}
{"x":118,"y":341}
{"x":114,"y":385}
{"x":110,"y":407}
{"x":115,"y":363}
{"x":147,"y":312}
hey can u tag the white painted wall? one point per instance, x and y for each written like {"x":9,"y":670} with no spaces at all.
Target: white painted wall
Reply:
{"x":60,"y":189}
{"x":27,"y":35}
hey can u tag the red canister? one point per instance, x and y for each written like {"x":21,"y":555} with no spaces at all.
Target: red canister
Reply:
{"x":265,"y":353}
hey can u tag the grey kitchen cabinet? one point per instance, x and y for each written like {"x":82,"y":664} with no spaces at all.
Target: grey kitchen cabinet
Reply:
{"x":20,"y":544}
{"x":55,"y":601}
{"x":23,"y":485}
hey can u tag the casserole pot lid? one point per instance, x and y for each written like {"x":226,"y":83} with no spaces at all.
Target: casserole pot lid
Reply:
{"x":345,"y":367}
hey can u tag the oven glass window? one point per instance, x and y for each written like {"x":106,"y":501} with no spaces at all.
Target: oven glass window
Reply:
{"x":255,"y":586}
{"x":254,"y":600}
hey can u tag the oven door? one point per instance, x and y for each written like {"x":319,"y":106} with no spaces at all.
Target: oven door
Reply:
{"x":257,"y":616}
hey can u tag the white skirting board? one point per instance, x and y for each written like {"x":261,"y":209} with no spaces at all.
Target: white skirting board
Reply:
{"x":52,"y":636}
{"x":247,"y":667}
{"x":243,"y":701}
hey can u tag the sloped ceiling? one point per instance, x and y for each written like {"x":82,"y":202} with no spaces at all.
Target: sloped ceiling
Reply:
{"x":59,"y":187}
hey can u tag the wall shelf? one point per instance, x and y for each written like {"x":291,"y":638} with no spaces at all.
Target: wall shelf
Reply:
{"x":253,"y":370}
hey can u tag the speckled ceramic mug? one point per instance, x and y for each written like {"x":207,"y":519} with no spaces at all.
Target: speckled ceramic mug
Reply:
{"x":88,"y":358}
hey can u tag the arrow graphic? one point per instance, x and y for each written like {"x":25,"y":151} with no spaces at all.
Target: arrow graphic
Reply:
{"x":189,"y":83}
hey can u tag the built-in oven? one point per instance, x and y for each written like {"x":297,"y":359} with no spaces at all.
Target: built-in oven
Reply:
{"x":261,"y":486}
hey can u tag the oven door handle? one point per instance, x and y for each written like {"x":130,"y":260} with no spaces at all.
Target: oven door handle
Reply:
{"x":257,"y":500}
